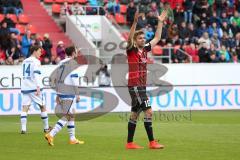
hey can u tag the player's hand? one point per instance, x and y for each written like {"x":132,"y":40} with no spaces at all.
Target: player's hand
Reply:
{"x":163,"y":15}
{"x":136,"y":16}
{"x":58,"y":100}
{"x":38,"y":91}
{"x":78,"y":99}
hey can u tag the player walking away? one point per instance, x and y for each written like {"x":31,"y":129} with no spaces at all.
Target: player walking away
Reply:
{"x":31,"y":88}
{"x":66,"y":102}
{"x":137,"y":61}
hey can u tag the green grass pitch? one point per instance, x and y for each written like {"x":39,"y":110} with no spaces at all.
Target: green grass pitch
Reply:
{"x":199,"y":135}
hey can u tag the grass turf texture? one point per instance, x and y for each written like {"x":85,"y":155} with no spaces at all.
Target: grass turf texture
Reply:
{"x":204,"y":135}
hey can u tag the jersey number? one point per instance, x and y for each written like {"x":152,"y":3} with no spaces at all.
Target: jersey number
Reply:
{"x":26,"y":69}
{"x":61,"y":67}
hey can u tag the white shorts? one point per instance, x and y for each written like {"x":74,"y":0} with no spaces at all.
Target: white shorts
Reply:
{"x":28,"y":98}
{"x":66,"y":106}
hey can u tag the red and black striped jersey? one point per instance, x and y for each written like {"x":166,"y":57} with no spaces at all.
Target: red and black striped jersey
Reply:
{"x":137,"y":65}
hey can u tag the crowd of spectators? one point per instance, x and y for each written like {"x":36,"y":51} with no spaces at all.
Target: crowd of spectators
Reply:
{"x":14,"y":48}
{"x":206,"y":29}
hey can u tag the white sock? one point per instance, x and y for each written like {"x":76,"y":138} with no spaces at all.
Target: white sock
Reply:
{"x":58,"y":126}
{"x":44,"y":118}
{"x":71,"y":130}
{"x":24,"y":121}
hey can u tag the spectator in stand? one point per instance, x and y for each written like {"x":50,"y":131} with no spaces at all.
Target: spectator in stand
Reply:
{"x":164,"y":35}
{"x":142,"y":21}
{"x":235,"y":58}
{"x":202,"y":29}
{"x":204,"y":40}
{"x":26,"y":44}
{"x":143,"y":8}
{"x":66,"y":9}
{"x":215,"y":18}
{"x":184,"y":32}
{"x":154,"y":9}
{"x":2,"y":56}
{"x":213,"y":58}
{"x":225,"y":40}
{"x":237,"y":3}
{"x":78,"y":9}
{"x":169,"y":51}
{"x":103,"y":76}
{"x":199,"y":8}
{"x":234,"y":28}
{"x":215,"y":29}
{"x":4,"y":36}
{"x":149,"y":34}
{"x":8,"y":7}
{"x":203,"y":54}
{"x":181,"y":56}
{"x":113,"y":7}
{"x":191,"y":49}
{"x":220,"y":6}
{"x":224,"y":18}
{"x":131,"y":9}
{"x":103,"y":10}
{"x":1,"y":7}
{"x":226,"y":28}
{"x":13,"y":52}
{"x":178,"y":14}
{"x":215,"y":41}
{"x":170,"y":16}
{"x":60,"y":50}
{"x":47,"y":47}
{"x":235,"y":18}
{"x":224,"y":53}
{"x":237,"y":44}
{"x":203,"y":19}
{"x":152,"y":20}
{"x":192,"y":33}
{"x":10,"y":24}
{"x":188,"y":6}
{"x":18,"y":8}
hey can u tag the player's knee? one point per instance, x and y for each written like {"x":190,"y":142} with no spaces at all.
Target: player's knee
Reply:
{"x":42,"y":108}
{"x":134,"y":116}
{"x":148,"y":113}
{"x":25,"y":108}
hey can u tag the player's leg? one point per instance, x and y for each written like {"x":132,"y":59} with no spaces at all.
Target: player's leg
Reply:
{"x":153,"y":144}
{"x":57,"y":128}
{"x":132,"y":123}
{"x":26,"y":102}
{"x":44,"y":117}
{"x":40,"y":100}
{"x":62,"y":108}
{"x":25,"y":109}
{"x":71,"y":131}
{"x":71,"y":124}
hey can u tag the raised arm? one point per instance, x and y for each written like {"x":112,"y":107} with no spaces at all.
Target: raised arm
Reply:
{"x":132,"y":30}
{"x":158,"y":32}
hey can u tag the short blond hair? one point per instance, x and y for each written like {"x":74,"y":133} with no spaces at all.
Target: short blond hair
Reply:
{"x":137,"y":33}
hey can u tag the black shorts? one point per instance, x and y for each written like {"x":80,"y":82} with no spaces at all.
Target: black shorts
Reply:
{"x":139,"y":98}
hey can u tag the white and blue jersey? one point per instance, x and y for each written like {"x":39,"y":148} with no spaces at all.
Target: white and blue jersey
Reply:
{"x":71,"y":78}
{"x":31,"y":79}
{"x":31,"y":75}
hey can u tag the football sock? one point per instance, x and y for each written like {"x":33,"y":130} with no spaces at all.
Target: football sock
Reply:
{"x":131,"y":130}
{"x":71,"y":130}
{"x":148,"y":127}
{"x":58,"y":126}
{"x":44,"y":118}
{"x":23,"y":121}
